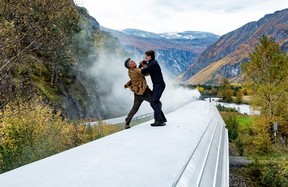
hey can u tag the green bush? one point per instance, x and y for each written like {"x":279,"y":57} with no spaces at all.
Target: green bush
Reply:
{"x":240,"y":146}
{"x":232,"y":125}
{"x":275,"y":173}
{"x":268,"y":173}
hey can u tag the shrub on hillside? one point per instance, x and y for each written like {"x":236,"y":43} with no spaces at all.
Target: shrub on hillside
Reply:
{"x":275,"y":173}
{"x":32,"y":131}
{"x":232,"y":125}
{"x":269,"y":173}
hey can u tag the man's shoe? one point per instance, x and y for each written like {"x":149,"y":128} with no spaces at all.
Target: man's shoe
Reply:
{"x":157,"y":123}
{"x":127,"y":127}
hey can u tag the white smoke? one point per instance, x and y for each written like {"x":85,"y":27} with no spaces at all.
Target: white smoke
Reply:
{"x":110,"y":75}
{"x":175,"y":96}
{"x":109,"y":71}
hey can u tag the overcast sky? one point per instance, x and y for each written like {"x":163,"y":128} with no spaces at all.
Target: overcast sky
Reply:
{"x":159,"y":16}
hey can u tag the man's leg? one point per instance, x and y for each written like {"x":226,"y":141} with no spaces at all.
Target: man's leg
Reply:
{"x":162,"y":114}
{"x":147,"y":95}
{"x":156,"y":104}
{"x":137,"y":102}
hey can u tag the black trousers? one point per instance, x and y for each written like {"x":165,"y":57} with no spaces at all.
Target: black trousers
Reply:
{"x":138,"y":99}
{"x":156,"y":103}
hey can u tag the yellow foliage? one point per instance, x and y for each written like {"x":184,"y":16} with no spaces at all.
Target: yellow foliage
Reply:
{"x":263,"y":139}
{"x":200,"y":89}
{"x":32,"y":131}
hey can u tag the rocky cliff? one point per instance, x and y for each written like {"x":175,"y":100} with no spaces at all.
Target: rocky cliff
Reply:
{"x":58,"y":58}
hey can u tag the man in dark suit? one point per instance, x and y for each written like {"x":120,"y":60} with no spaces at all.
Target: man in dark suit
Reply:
{"x":154,"y":70}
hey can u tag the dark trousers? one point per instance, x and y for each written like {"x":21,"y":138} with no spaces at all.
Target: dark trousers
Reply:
{"x":156,"y":103}
{"x":138,"y":99}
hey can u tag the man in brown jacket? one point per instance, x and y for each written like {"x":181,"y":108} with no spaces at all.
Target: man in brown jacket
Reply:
{"x":138,"y":85}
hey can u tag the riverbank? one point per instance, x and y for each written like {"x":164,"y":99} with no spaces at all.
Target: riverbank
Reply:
{"x":241,"y":108}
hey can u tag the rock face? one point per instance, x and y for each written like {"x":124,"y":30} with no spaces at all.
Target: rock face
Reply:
{"x":94,"y":23}
{"x":224,"y":57}
{"x":174,"y":51}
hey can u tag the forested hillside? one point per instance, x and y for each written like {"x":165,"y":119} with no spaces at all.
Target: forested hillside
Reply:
{"x":46,"y":51}
{"x":52,"y":62}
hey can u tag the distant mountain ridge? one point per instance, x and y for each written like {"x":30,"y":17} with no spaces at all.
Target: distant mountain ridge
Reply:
{"x":174,"y":51}
{"x":224,"y":57}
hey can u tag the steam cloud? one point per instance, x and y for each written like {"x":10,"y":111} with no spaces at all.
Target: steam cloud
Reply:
{"x":110,"y":73}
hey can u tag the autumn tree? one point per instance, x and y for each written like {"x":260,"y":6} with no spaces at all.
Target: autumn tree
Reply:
{"x":267,"y":72}
{"x":268,"y":75}
{"x":226,"y":92}
{"x":239,"y":96}
{"x":34,"y":45}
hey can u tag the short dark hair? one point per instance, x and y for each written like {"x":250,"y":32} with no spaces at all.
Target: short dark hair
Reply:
{"x":150,"y":53}
{"x":126,"y":64}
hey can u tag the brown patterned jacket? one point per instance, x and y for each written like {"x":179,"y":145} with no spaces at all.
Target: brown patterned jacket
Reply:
{"x":137,"y":83}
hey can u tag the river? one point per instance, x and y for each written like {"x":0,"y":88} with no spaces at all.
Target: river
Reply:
{"x":241,"y":108}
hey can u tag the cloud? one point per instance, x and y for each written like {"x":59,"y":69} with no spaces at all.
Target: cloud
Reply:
{"x":159,"y":16}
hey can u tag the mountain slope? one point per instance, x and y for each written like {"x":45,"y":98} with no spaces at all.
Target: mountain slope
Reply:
{"x":224,"y":57}
{"x":174,"y":51}
{"x":57,"y":60}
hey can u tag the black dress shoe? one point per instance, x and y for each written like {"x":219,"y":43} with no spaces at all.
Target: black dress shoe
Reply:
{"x":157,"y":123}
{"x":127,"y":126}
